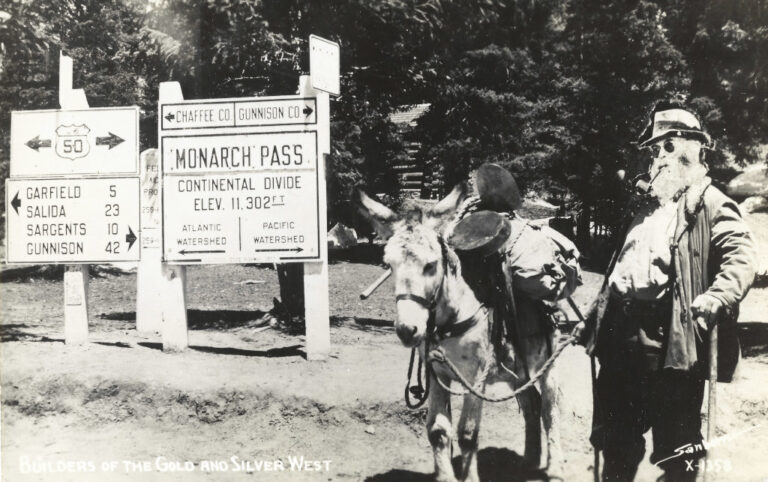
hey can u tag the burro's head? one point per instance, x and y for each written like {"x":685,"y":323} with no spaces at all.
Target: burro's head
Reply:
{"x":677,"y":145}
{"x":418,"y":256}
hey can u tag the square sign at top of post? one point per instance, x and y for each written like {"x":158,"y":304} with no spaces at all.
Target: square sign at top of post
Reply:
{"x":75,"y":143}
{"x":324,"y":64}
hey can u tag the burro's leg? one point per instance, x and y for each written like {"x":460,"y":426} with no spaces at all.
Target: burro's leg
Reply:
{"x":537,"y":353}
{"x":551,"y":411}
{"x":530,"y":403}
{"x":469,"y":426}
{"x":439,"y":430}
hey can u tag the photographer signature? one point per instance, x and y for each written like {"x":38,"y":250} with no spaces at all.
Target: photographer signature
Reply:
{"x":692,"y":448}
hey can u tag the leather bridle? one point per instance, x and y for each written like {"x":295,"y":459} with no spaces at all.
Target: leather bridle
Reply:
{"x":434,"y":335}
{"x":441,"y":332}
{"x":420,"y":300}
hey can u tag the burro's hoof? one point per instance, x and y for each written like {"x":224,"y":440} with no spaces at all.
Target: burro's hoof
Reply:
{"x":555,"y":475}
{"x":531,"y":463}
{"x":445,"y":478}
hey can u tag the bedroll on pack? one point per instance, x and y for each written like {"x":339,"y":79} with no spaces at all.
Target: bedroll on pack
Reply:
{"x":543,"y":262}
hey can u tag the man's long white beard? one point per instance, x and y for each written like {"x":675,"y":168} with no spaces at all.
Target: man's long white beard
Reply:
{"x":675,"y":178}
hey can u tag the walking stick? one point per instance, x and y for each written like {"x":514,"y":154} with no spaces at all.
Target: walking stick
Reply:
{"x":596,"y":461}
{"x":381,"y":279}
{"x":712,"y":398}
{"x":593,"y":370}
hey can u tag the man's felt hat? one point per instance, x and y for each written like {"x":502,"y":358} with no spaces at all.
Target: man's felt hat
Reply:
{"x":673,"y":122}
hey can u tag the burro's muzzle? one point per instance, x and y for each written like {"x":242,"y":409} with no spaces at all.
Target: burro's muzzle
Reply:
{"x":411,"y":324}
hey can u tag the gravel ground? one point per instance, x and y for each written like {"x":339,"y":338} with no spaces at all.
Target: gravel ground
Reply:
{"x":243,"y":402}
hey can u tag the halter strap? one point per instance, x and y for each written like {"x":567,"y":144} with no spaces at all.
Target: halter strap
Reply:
{"x":458,"y":329}
{"x":425,"y":303}
{"x":442,"y":332}
{"x":418,"y":299}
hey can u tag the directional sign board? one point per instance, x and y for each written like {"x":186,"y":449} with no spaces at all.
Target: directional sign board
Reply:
{"x":89,"y":142}
{"x":251,"y":112}
{"x":244,"y":192}
{"x":93,"y":220}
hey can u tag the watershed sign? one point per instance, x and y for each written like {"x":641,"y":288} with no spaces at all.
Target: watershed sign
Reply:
{"x":240,"y":197}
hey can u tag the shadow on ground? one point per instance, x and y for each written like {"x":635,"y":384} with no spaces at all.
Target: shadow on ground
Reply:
{"x":377,"y":325}
{"x":494,"y":464}
{"x":280,"y":352}
{"x":19,"y":332}
{"x":754,"y":338}
{"x":203,"y":320}
{"x":25,"y":274}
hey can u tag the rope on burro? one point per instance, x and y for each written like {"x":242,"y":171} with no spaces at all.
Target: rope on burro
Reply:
{"x":438,"y":355}
{"x":418,"y":391}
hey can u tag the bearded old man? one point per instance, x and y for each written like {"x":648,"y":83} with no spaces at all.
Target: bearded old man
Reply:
{"x":685,"y":263}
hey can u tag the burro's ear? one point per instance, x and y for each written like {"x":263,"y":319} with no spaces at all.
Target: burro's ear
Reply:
{"x":446,"y":208}
{"x":380,"y":216}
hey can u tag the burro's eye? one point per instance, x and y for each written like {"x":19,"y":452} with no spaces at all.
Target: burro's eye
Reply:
{"x":430,"y":268}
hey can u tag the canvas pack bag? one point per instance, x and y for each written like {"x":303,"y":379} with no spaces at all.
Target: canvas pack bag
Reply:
{"x":544,"y":263}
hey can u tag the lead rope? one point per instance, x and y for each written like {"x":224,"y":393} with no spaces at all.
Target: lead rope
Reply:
{"x":438,"y":355}
{"x":420,"y":391}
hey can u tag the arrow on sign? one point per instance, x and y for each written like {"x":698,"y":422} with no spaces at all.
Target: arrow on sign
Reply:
{"x":37,"y":143}
{"x":298,"y":249}
{"x":16,"y":202}
{"x":184,"y":251}
{"x":307,"y":110}
{"x":111,"y":140}
{"x":130,"y":238}
{"x":170,"y":117}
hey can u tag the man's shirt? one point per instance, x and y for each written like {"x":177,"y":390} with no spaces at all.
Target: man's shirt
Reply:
{"x":642,"y":270}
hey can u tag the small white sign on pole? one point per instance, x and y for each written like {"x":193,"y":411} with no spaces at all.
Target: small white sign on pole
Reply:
{"x":149,"y":273}
{"x":150,"y":200}
{"x":324,"y":64}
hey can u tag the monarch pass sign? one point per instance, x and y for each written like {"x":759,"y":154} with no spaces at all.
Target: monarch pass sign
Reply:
{"x":240,"y":181}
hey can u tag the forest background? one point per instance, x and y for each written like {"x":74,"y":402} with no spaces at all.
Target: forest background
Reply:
{"x":557,"y":91}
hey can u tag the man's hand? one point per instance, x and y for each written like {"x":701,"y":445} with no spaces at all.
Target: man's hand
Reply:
{"x":578,"y":332}
{"x":705,"y":310}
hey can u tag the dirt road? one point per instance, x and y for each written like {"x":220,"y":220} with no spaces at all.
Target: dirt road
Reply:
{"x":244,"y":404}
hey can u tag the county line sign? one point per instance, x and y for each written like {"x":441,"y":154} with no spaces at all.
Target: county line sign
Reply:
{"x":240,"y":180}
{"x":66,"y":143}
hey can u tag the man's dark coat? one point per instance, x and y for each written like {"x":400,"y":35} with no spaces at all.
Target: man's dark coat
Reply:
{"x":713,"y":252}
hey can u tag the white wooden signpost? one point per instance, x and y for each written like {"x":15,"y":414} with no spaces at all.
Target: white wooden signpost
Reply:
{"x":243,"y":181}
{"x":149,"y":298}
{"x":73,"y":194}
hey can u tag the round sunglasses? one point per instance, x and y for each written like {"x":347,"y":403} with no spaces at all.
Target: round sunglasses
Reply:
{"x":668,"y":145}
